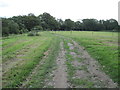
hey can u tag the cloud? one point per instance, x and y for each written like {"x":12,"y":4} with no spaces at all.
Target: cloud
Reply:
{"x":119,"y":12}
{"x":73,"y":9}
{"x":3,"y":4}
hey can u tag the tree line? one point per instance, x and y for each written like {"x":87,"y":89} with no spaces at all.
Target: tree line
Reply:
{"x":27,"y":23}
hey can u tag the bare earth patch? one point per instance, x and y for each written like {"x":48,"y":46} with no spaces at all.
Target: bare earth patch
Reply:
{"x":93,"y":70}
{"x":70,"y":46}
{"x":81,"y":74}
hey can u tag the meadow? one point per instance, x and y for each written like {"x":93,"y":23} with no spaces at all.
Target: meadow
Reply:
{"x":29,"y":61}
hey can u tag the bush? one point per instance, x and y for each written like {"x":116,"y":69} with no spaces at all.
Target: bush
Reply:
{"x":38,"y":28}
{"x":33,"y":34}
{"x":37,"y":34}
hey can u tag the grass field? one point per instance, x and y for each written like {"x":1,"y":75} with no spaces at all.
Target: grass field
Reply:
{"x":30,"y":61}
{"x":103,"y":46}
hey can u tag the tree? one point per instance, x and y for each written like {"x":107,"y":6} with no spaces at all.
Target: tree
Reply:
{"x":5,"y":28}
{"x":19,"y":21}
{"x":30,"y":21}
{"x":9,"y":27}
{"x":68,"y":24}
{"x":110,"y":24}
{"x":26,"y":23}
{"x":77,"y":25}
{"x":13,"y":27}
{"x":90,"y":24}
{"x":48,"y":21}
{"x":60,"y":24}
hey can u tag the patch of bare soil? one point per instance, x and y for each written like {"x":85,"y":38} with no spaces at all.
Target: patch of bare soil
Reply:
{"x":71,"y":47}
{"x":90,"y":69}
{"x":60,"y":74}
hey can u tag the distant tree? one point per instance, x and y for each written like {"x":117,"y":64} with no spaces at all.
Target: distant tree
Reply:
{"x":119,"y":28}
{"x":68,"y":24}
{"x":90,"y":24}
{"x":19,"y":21}
{"x":60,"y":24}
{"x":13,"y":27}
{"x":48,"y":21}
{"x":5,"y":27}
{"x":9,"y":27}
{"x":77,"y":25}
{"x":30,"y":21}
{"x":110,"y":24}
{"x":26,"y":23}
{"x":101,"y":25}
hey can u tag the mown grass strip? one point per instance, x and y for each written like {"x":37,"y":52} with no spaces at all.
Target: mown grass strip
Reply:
{"x":10,"y":40}
{"x":37,"y":80}
{"x":10,"y":52}
{"x":16,"y":75}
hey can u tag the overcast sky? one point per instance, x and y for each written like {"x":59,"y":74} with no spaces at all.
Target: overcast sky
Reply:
{"x":64,"y":9}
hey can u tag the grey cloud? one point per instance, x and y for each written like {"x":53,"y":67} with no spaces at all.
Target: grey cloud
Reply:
{"x":119,"y":12}
{"x":3,"y":4}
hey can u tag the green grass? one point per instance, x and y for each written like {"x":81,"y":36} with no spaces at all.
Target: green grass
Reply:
{"x":103,"y":46}
{"x":44,"y":69}
{"x":15,"y":76}
{"x":22,"y":42}
{"x":84,"y":83}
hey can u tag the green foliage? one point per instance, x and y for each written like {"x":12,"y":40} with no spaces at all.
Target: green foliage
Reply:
{"x":9,"y":27}
{"x":68,"y":24}
{"x":23,"y":31}
{"x":38,"y":28}
{"x":30,"y":21}
{"x":48,"y":21}
{"x":25,"y":23}
{"x":33,"y":33}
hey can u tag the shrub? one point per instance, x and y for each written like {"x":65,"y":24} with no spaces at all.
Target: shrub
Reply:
{"x":37,"y":34}
{"x":31,"y":34}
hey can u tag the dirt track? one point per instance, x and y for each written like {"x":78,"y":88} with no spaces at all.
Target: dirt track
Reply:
{"x":60,"y":79}
{"x":92,"y":69}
